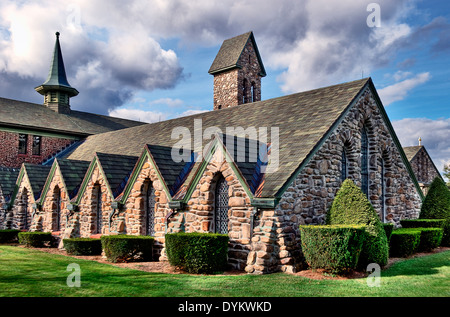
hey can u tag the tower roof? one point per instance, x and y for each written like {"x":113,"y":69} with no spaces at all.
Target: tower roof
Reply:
{"x":230,"y":51}
{"x":57,"y":79}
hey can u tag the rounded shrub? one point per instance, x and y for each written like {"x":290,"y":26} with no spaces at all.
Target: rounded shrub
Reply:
{"x":125,"y":248}
{"x":83,"y":246}
{"x":404,"y":242}
{"x":198,"y":252}
{"x":9,"y":235}
{"x":351,"y":207}
{"x":35,"y":239}
{"x":436,"y":205}
{"x":334,"y":248}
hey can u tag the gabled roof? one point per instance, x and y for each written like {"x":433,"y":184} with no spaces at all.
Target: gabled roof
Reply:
{"x":115,"y":169}
{"x":229,"y":53}
{"x":411,"y":151}
{"x":302,"y":120}
{"x":16,"y":114}
{"x":8,"y":177}
{"x":37,"y":176}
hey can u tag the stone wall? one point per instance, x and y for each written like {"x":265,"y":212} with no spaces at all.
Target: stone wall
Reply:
{"x":199,"y":215}
{"x":310,"y":196}
{"x":424,"y":169}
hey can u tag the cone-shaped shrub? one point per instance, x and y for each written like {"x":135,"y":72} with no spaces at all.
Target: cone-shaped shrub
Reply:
{"x":351,"y":207}
{"x":437,"y":206}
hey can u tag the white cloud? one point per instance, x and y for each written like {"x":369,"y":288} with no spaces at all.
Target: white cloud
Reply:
{"x":434,"y":134}
{"x":138,"y":115}
{"x":400,"y":90}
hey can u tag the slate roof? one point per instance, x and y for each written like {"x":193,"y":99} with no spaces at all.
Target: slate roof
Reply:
{"x":411,"y":151}
{"x":230,"y":52}
{"x":302,"y":119}
{"x":117,"y":169}
{"x":39,"y":117}
{"x":37,"y":175}
{"x":8,"y":178}
{"x":73,"y":173}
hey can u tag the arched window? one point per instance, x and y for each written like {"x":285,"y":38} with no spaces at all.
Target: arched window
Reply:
{"x":99,"y":213}
{"x":150,"y":210}
{"x":244,"y":91}
{"x":364,"y":162}
{"x":25,"y":218}
{"x":57,"y":200}
{"x":383,"y":191}
{"x":344,"y":165}
{"x":221,"y":206}
{"x":253,"y":92}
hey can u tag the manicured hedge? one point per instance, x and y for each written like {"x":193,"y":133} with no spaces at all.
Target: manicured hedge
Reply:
{"x":436,"y":205}
{"x":83,"y":246}
{"x":422,"y":223}
{"x":404,"y":242}
{"x":35,"y":239}
{"x":430,"y":238}
{"x":351,"y":207}
{"x":335,"y":248}
{"x":8,"y":236}
{"x":124,"y":248}
{"x":388,"y":227}
{"x":198,"y":252}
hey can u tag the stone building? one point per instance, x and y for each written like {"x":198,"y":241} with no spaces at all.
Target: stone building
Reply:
{"x":252,"y":170}
{"x":36,"y":133}
{"x":422,"y":165}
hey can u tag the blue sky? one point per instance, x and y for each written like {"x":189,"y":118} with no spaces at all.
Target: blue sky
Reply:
{"x":149,"y":60}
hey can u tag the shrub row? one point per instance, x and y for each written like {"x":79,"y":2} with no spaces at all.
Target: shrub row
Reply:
{"x":124,"y":248}
{"x":83,"y":246}
{"x":407,"y":241}
{"x":8,"y":236}
{"x":198,"y":252}
{"x":335,"y":248}
{"x":35,"y":239}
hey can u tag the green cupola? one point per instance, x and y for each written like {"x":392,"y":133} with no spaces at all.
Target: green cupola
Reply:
{"x":56,"y":89}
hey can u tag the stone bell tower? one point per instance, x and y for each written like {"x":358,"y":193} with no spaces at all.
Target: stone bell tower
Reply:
{"x":56,"y":89}
{"x":237,"y":71}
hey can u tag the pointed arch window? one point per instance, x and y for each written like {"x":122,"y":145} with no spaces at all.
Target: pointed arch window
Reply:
{"x":57,"y":199}
{"x":244,"y":91}
{"x":150,"y":210}
{"x":99,"y":212}
{"x":221,"y":206}
{"x":25,"y":218}
{"x":344,"y":165}
{"x":364,"y":162}
{"x":383,"y":191}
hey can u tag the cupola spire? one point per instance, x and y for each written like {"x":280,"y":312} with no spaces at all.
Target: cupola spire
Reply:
{"x":56,"y":89}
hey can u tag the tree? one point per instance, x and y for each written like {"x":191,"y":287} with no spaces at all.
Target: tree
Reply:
{"x":447,"y":173}
{"x":437,"y":206}
{"x":351,"y":206}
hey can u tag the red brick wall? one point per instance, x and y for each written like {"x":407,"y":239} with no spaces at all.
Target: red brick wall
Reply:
{"x":9,"y":149}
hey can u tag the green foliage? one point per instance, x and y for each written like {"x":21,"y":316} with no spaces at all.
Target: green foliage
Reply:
{"x":388,"y":227}
{"x":35,"y":239}
{"x":83,"y":246}
{"x":8,"y":235}
{"x":351,"y":206}
{"x":430,"y":238}
{"x":198,"y":252}
{"x":404,"y":242}
{"x":124,"y":248}
{"x":422,"y":223}
{"x":437,"y":206}
{"x":335,"y":248}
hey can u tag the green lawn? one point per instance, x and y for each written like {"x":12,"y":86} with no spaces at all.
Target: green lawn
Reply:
{"x":28,"y":272}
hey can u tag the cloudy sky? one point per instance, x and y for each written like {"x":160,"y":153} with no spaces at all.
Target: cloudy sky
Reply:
{"x":148,"y":59}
